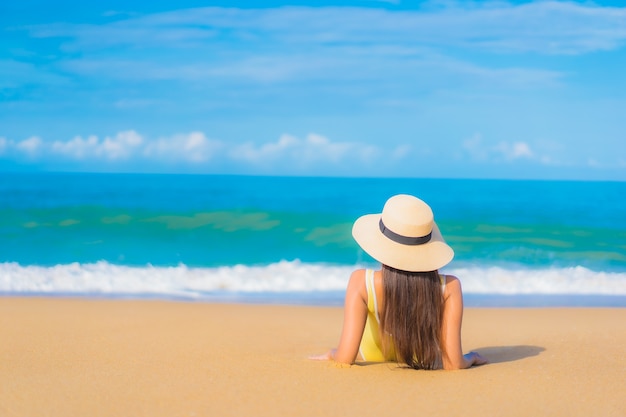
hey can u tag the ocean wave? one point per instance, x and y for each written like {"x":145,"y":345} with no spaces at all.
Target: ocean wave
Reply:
{"x":512,"y":281}
{"x":106,"y":279}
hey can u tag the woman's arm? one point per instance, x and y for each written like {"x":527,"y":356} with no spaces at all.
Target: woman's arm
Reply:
{"x":354,"y":318}
{"x":453,"y":357}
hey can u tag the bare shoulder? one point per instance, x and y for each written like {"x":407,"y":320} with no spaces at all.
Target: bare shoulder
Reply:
{"x":356,"y":284}
{"x":453,"y":286}
{"x":357,"y":274}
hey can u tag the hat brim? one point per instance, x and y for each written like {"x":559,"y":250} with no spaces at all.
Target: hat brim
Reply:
{"x":429,"y":256}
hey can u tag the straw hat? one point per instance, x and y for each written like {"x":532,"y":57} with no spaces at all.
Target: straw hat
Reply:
{"x":404,"y":236}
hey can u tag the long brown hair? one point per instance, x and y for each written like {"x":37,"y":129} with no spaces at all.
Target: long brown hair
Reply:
{"x":412,"y":316}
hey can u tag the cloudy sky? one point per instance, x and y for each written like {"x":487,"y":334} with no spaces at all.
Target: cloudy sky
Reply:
{"x":359,"y":88}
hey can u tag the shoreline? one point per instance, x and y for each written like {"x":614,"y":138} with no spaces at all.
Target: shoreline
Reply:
{"x":104,"y":357}
{"x":335,"y":299}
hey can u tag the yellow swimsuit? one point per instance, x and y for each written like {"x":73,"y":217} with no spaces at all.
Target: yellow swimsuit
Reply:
{"x":371,"y":348}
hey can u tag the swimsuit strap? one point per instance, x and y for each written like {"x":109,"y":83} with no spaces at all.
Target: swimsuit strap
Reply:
{"x":371,"y":291}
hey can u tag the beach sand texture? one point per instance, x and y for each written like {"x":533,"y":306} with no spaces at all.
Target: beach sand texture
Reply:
{"x":77,"y":357}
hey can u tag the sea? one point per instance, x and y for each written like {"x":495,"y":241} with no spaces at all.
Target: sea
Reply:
{"x":287,"y":240}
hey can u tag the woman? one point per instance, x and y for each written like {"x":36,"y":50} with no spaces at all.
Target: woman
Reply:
{"x":407,"y":312}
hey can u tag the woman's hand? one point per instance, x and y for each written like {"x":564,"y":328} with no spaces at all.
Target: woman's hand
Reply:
{"x":328,"y":356}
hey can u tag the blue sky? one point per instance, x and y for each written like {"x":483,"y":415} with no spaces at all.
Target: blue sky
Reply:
{"x":359,"y":88}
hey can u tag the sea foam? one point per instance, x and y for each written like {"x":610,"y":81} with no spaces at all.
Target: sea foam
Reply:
{"x":289,"y":277}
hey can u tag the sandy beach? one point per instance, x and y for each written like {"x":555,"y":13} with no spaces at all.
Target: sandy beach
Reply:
{"x":77,"y":357}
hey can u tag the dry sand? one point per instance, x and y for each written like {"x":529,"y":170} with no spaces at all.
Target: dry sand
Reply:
{"x":153,"y":358}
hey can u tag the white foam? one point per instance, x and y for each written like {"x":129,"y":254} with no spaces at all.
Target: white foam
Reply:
{"x":103,"y":278}
{"x":573,"y":280}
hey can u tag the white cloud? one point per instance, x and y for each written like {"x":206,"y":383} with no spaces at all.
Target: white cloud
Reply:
{"x":401,"y":151}
{"x":251,"y":153}
{"x":476,"y":148}
{"x":4,"y":144}
{"x":522,"y":150}
{"x":313,"y":148}
{"x":121,"y":146}
{"x":288,"y":152}
{"x":313,"y":153}
{"x":514,"y":150}
{"x":77,"y":148}
{"x":192,"y":147}
{"x":128,"y":145}
{"x":30,"y":146}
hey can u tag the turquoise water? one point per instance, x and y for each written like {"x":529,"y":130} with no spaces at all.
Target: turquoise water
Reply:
{"x":130,"y":234}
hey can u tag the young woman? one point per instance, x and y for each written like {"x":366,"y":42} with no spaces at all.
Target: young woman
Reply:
{"x":406,"y":312}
